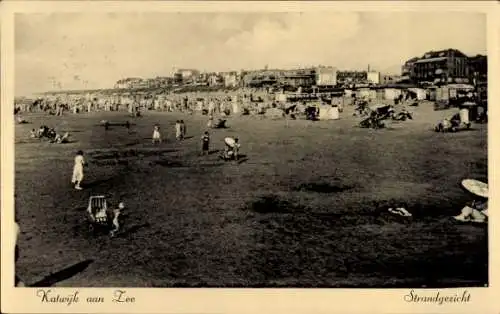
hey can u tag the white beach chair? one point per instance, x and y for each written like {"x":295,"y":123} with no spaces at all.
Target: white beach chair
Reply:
{"x":98,"y":210}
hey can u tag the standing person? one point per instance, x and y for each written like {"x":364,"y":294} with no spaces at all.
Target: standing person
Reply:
{"x":178,"y":130}
{"x":205,"y":143}
{"x":156,"y":135}
{"x":78,"y":170}
{"x":116,"y":223}
{"x":210,"y":122}
{"x":236,"y":148}
{"x":183,"y":129}
{"x":211,"y":107}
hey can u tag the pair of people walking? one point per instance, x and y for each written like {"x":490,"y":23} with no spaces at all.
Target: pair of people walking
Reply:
{"x":180,"y":130}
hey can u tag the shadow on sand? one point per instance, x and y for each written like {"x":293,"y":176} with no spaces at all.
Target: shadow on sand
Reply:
{"x":62,"y":275}
{"x":132,"y":230}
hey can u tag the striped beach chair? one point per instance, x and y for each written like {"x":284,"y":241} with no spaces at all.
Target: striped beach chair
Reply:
{"x":98,"y":211}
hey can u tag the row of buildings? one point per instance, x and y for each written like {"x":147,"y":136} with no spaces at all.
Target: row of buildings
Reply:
{"x":319,"y":76}
{"x":182,"y":77}
{"x":446,"y":66}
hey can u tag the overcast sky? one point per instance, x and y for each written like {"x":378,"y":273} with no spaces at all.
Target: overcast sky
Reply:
{"x":70,"y":48}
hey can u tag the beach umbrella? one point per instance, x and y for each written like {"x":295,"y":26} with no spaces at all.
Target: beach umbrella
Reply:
{"x":476,"y":187}
{"x":230,"y":141}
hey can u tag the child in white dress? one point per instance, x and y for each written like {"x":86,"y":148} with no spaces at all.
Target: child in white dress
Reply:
{"x":78,"y":170}
{"x":156,"y":135}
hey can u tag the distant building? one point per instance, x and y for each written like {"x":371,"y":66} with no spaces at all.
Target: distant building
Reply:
{"x":326,"y":76}
{"x":230,"y":79}
{"x":182,"y":76}
{"x":352,"y":77}
{"x":445,"y":66}
{"x":478,"y":68}
{"x":373,"y":77}
{"x":387,"y":79}
{"x":121,"y":84}
{"x":260,"y":78}
{"x":129,"y":83}
{"x":214,"y":79}
{"x":178,"y":78}
{"x":298,"y":78}
{"x":478,"y":73}
{"x":163,"y":81}
{"x":152,"y":83}
{"x":408,"y":67}
{"x":188,"y":73}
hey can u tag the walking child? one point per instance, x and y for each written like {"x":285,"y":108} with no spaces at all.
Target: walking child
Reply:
{"x":78,"y":170}
{"x":156,"y":135}
{"x":205,"y":143}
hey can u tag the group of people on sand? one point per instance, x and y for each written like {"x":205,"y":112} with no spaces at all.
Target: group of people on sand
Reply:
{"x":232,"y":145}
{"x":51,"y":134}
{"x":180,"y":132}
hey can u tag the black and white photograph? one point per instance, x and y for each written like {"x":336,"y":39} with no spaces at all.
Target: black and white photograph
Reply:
{"x":251,"y":149}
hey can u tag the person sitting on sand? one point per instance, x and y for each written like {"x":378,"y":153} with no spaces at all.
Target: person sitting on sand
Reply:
{"x":56,"y":139}
{"x":477,"y":211}
{"x":61,"y":139}
{"x":33,"y":133}
{"x":445,"y":125}
{"x":42,"y":131}
{"x":21,"y":120}
{"x":232,"y":149}
{"x":64,"y":138}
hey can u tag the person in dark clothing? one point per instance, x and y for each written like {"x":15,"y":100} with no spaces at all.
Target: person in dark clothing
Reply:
{"x":205,"y":143}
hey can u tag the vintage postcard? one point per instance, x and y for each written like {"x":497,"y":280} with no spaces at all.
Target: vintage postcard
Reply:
{"x":229,"y":157}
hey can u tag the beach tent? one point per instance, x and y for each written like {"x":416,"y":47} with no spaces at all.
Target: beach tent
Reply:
{"x":236,"y":107}
{"x":327,"y":112}
{"x":391,"y":93}
{"x":348,"y":93}
{"x":372,"y":94}
{"x":281,"y":97}
{"x":419,"y":92}
{"x":363,"y":93}
{"x":339,"y":101}
{"x":380,"y":94}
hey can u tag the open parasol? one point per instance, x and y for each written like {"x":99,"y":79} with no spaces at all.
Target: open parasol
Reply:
{"x":476,"y":187}
{"x":230,"y":141}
